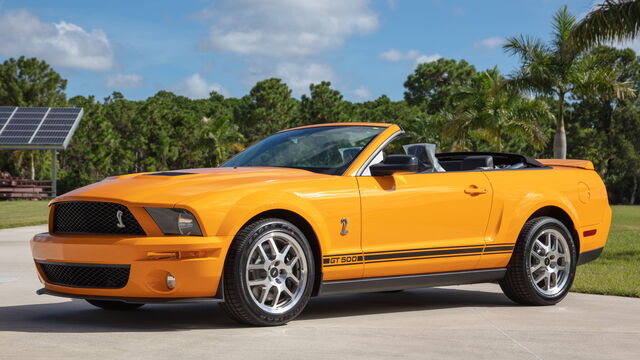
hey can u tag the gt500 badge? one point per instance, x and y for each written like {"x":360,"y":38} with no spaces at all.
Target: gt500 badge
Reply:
{"x":342,"y":260}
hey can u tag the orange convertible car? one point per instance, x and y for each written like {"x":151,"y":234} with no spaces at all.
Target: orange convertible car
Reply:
{"x":325,"y":209}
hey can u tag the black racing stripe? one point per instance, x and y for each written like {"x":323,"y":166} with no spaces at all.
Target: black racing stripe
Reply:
{"x":422,"y":253}
{"x":500,"y":244}
{"x":498,"y":252}
{"x":359,"y":253}
{"x":345,"y":264}
{"x":418,"y":249}
{"x":421,"y":258}
{"x":498,"y":248}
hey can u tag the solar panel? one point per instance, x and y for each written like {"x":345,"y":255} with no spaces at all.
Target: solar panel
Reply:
{"x":37,"y":127}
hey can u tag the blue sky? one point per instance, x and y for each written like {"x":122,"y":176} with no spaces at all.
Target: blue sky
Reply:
{"x":365,"y":48}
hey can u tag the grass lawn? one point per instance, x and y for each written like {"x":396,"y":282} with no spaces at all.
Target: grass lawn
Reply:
{"x":23,"y":213}
{"x":617,"y":270}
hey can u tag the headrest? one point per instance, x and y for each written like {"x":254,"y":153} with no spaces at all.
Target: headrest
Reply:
{"x":477,"y":161}
{"x":426,"y":154}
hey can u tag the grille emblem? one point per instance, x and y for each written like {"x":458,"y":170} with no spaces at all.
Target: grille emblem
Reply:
{"x":120,"y":224}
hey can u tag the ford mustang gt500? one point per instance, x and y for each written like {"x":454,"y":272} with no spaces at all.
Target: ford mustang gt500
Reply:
{"x":325,"y":209}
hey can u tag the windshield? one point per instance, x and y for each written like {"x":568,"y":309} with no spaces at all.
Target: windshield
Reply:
{"x":325,"y":149}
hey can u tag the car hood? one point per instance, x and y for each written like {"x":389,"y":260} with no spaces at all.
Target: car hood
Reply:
{"x":171,"y":187}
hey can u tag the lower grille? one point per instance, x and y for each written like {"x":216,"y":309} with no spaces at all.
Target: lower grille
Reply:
{"x":97,"y":276}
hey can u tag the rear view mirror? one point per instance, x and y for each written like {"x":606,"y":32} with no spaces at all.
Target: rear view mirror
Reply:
{"x":395,"y":163}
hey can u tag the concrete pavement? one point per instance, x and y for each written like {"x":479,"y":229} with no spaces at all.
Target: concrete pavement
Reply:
{"x":460,"y":322}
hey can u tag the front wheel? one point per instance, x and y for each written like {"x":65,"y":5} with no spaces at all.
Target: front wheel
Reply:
{"x":268,"y":274}
{"x":543,"y":264}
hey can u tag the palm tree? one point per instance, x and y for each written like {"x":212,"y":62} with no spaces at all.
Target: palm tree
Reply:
{"x":225,"y":136}
{"x":613,"y":20}
{"x":494,"y":110}
{"x":560,"y":69}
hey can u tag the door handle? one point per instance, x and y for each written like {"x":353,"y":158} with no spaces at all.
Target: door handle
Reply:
{"x":474,"y":190}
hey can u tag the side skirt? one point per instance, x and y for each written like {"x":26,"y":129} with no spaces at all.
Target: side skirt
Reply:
{"x":390,"y":283}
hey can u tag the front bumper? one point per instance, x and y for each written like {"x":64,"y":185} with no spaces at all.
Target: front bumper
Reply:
{"x":195,"y":277}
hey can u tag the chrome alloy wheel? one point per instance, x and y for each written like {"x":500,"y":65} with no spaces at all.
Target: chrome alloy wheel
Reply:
{"x":549,"y":262}
{"x":276,"y":272}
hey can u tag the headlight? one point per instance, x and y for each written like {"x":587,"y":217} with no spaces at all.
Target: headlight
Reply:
{"x":173,"y":221}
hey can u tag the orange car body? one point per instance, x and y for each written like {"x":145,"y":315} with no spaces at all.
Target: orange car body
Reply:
{"x":397,"y":225}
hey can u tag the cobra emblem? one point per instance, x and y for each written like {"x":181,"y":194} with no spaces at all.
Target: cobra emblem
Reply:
{"x":344,"y":226}
{"x":120,"y":224}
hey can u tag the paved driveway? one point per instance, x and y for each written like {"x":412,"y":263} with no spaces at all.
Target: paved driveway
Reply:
{"x":465,"y":322}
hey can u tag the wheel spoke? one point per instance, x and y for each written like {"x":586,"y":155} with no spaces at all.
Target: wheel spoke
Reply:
{"x":542,"y":246}
{"x":539,"y":278}
{"x":535,"y":268}
{"x":261,"y":282}
{"x":265,"y":292}
{"x":274,"y":247}
{"x":277,"y":298}
{"x":287,"y":291}
{"x":252,"y":267}
{"x":294,"y":278}
{"x":548,"y":281}
{"x":538,"y":256}
{"x":293,"y":262}
{"x":263,"y":254}
{"x":285,"y":250}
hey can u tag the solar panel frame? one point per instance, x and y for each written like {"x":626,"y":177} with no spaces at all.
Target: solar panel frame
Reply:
{"x":38,"y":128}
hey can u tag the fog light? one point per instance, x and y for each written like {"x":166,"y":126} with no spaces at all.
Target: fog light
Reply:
{"x":171,"y":281}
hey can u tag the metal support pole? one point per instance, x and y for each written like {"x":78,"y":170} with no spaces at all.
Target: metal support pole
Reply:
{"x":54,"y":187}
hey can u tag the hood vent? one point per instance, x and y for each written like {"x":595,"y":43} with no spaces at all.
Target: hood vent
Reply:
{"x":171,"y":173}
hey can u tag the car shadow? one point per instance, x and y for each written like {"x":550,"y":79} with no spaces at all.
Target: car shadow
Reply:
{"x":77,"y":316}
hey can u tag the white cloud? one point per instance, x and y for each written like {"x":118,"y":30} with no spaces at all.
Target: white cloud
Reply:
{"x":489,"y":43}
{"x":60,"y":44}
{"x":287,"y":27}
{"x":125,"y":81}
{"x":197,"y":87}
{"x":395,"y":55}
{"x":427,"y":58}
{"x":297,"y":75}
{"x":362,"y":93}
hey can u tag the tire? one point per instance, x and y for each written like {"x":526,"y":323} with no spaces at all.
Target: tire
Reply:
{"x":114,"y":305}
{"x":543,"y":264}
{"x":259,"y":283}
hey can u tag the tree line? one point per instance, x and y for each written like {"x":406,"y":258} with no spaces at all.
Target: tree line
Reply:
{"x":568,"y":98}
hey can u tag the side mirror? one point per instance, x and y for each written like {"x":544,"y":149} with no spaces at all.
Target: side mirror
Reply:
{"x":395,"y":163}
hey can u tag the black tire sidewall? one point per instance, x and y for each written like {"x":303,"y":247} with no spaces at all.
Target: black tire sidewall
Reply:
{"x":542,"y":225}
{"x":261,"y":228}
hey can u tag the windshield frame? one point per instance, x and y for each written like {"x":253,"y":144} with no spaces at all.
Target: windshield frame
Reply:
{"x":337,"y":171}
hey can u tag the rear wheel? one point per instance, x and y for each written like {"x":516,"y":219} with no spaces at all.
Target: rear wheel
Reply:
{"x":114,"y":305}
{"x":542,"y":268}
{"x":269,"y":273}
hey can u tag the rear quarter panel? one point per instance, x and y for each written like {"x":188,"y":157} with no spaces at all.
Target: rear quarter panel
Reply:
{"x":518,"y":194}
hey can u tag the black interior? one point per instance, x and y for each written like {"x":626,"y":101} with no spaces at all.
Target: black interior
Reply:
{"x":466,"y":161}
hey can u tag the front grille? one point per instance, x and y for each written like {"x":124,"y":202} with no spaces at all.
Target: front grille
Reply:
{"x":85,"y":275}
{"x":94,"y":217}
